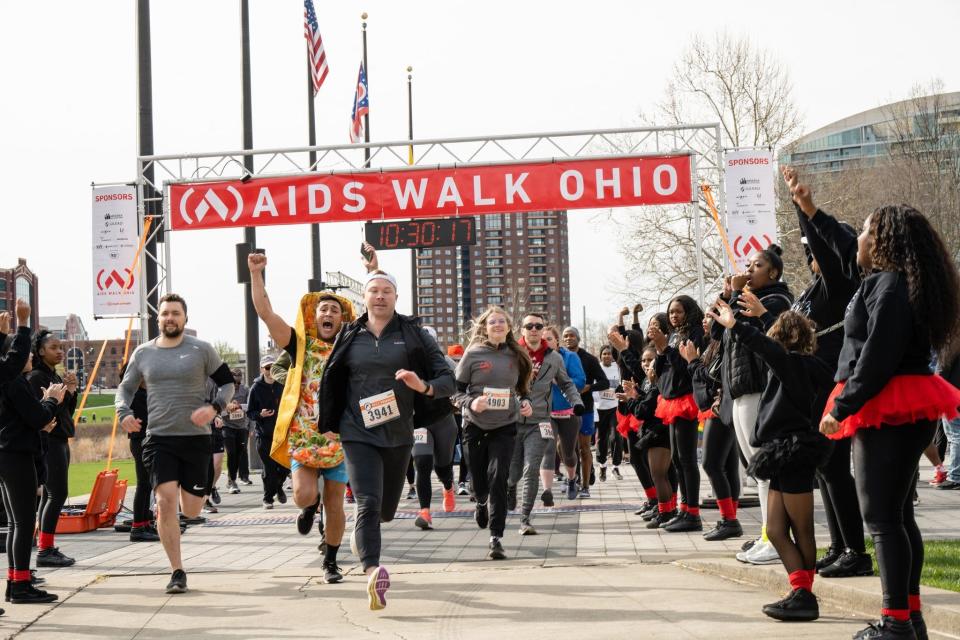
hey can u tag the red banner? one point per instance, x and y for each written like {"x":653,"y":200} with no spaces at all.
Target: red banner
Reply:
{"x":424,"y":193}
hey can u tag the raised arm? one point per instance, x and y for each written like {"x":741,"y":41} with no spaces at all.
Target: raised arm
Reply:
{"x":277,"y":326}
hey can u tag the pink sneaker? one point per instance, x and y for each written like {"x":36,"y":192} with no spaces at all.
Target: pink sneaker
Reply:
{"x":377,"y":586}
{"x":939,"y":476}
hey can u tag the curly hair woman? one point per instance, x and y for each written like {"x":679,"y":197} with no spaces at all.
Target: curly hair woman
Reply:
{"x":888,"y":400}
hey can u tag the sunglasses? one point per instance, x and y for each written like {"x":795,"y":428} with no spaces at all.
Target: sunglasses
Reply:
{"x":533,"y":326}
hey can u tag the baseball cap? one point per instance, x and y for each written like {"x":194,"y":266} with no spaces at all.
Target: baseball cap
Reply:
{"x":267,"y":360}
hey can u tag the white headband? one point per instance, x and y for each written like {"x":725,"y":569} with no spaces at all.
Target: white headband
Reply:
{"x":381,"y":276}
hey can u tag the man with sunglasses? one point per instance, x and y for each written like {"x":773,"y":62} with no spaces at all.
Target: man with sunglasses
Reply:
{"x":535,"y":436}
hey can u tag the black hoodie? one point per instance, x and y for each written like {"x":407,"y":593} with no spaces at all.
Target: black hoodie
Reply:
{"x":673,"y":379}
{"x":22,"y":417}
{"x":42,"y":377}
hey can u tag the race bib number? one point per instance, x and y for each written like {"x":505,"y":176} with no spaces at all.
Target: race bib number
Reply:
{"x":608,"y":394}
{"x":378,"y":409}
{"x":420,"y":436}
{"x":546,"y":430}
{"x":236,"y":415}
{"x":497,"y":398}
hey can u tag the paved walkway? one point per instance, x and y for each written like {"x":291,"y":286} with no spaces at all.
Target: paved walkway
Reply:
{"x":594,"y":566}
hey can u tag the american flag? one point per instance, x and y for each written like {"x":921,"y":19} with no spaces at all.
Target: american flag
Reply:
{"x":315,"y":52}
{"x":361,"y":107}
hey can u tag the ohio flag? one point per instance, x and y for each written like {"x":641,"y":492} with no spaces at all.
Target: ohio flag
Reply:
{"x":361,"y":107}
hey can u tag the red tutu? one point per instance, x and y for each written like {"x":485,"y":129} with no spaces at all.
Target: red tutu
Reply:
{"x":703,"y":416}
{"x":684,"y":407}
{"x":626,"y":424}
{"x":904,"y":400}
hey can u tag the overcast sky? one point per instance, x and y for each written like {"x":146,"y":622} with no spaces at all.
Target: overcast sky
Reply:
{"x":68,"y":107}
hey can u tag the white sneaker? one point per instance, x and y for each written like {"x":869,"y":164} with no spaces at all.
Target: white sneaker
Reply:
{"x":267,"y":506}
{"x":742,"y":555}
{"x":763,"y":553}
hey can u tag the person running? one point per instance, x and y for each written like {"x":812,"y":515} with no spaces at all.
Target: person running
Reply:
{"x":175,"y":368}
{"x":831,"y":250}
{"x":142,"y":528}
{"x":262,"y":405}
{"x":721,"y":459}
{"x":608,"y":440}
{"x":217,"y":449}
{"x":597,"y":381}
{"x":565,"y":416}
{"x":454,"y":353}
{"x":47,"y":356}
{"x":295,"y":439}
{"x":235,"y":433}
{"x":789,"y":448}
{"x":887,"y":398}
{"x":384,"y":378}
{"x":23,"y":417}
{"x":493,"y":385}
{"x":433,"y":450}
{"x":743,"y":376}
{"x":535,"y":447}
{"x":677,"y":407}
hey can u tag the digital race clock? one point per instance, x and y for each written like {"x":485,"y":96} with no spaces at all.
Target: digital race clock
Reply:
{"x":419,"y":234}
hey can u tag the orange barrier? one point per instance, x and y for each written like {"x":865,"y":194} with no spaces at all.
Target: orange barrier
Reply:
{"x":72,"y":520}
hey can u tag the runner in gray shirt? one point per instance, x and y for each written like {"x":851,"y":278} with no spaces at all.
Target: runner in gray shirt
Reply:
{"x":175,"y":367}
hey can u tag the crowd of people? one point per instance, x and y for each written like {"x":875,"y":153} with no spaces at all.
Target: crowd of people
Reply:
{"x":782,"y":390}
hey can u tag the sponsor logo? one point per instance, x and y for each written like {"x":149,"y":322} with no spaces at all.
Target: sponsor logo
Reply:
{"x":749,"y":181}
{"x":210,"y":200}
{"x":742,"y":246}
{"x":114,"y":279}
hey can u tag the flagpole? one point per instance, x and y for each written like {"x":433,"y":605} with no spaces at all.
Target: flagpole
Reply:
{"x":413,"y":252}
{"x":249,"y":233}
{"x":366,"y":116}
{"x":316,"y":281}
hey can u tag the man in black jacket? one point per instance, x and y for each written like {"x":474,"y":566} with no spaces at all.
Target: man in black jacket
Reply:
{"x":262,"y":407}
{"x":596,"y":381}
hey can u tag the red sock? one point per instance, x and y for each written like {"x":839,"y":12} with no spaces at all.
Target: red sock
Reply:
{"x":45,"y":541}
{"x":801,"y":580}
{"x":683,"y":507}
{"x":651,"y":493}
{"x":10,"y":573}
{"x":897,"y":614}
{"x":694,"y":511}
{"x":727,"y":510}
{"x":914,"y":602}
{"x":663,"y":507}
{"x":142,"y":523}
{"x":673,"y":502}
{"x":21,"y":576}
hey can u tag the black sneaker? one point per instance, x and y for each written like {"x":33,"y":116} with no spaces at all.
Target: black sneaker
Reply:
{"x":724,"y":530}
{"x":26,"y":593}
{"x":281,"y":496}
{"x":593,"y":476}
{"x":511,"y":498}
{"x":482,"y":515}
{"x":603,"y":474}
{"x":53,"y":558}
{"x":850,"y":563}
{"x":617,"y":474}
{"x":496,"y":550}
{"x":36,"y":580}
{"x":144,"y":534}
{"x":306,"y":517}
{"x":178,"y":582}
{"x":215,"y":496}
{"x":412,"y":493}
{"x":685,"y":523}
{"x":833,"y":554}
{"x":799,"y":606}
{"x":649,"y":504}
{"x":887,"y":628}
{"x":547,"y":498}
{"x":919,"y":625}
{"x":331,"y":573}
{"x":661,"y":519}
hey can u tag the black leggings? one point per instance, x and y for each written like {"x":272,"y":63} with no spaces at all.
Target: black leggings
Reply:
{"x":608,"y":438}
{"x":566,"y":430}
{"x":55,"y":487}
{"x":720,"y":459}
{"x":683,"y":441}
{"x":141,"y":495}
{"x":274,"y":474}
{"x":235,"y":443}
{"x":840,"y":503}
{"x":376,"y":479}
{"x":638,"y":460}
{"x":424,"y":465}
{"x":641,"y":466}
{"x":490,"y":455}
{"x":18,"y":478}
{"x":885,"y":462}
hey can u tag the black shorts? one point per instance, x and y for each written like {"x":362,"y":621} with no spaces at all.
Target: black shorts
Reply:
{"x":216,"y":440}
{"x":793,"y":478}
{"x":181,"y":459}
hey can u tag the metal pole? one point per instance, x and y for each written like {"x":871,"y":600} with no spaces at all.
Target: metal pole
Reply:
{"x":145,"y":147}
{"x":249,"y":233}
{"x":721,"y":186}
{"x":413,"y":252}
{"x":366,"y":117}
{"x":698,"y":237}
{"x":316,"y":274}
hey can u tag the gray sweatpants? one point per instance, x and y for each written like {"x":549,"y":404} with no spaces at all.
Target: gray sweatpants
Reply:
{"x":525,"y":465}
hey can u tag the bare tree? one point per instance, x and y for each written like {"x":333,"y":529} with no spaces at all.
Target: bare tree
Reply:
{"x":728,"y":80}
{"x":227,"y":353}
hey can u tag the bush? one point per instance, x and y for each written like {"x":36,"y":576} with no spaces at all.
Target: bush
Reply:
{"x":92,"y":443}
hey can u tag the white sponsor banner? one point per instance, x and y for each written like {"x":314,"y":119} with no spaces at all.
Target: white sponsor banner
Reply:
{"x":115,"y":238}
{"x":751,"y":202}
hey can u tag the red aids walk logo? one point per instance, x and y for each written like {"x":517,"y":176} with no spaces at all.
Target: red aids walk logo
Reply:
{"x":211,"y":200}
{"x":743,"y":245}
{"x":114,"y":280}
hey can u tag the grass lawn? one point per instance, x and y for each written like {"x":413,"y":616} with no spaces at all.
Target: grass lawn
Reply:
{"x":103,"y":414}
{"x":941,"y":563}
{"x":98,"y":399}
{"x":82,"y":475}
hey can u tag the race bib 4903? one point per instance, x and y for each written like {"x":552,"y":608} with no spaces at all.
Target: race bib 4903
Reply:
{"x":497,"y":398}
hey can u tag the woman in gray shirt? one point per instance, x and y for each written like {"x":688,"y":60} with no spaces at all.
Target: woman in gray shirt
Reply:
{"x":493,"y":380}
